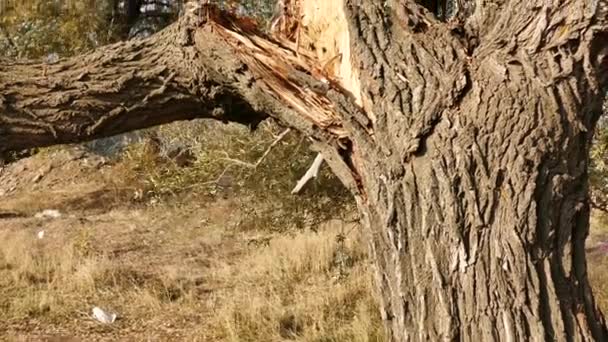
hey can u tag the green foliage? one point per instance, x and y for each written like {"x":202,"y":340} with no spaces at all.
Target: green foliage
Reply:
{"x":223,"y":168}
{"x":33,"y":29}
{"x":598,"y":170}
{"x":261,"y":9}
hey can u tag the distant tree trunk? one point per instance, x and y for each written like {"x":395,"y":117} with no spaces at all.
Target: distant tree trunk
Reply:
{"x":133,"y":10}
{"x":465,"y":143}
{"x":132,"y":14}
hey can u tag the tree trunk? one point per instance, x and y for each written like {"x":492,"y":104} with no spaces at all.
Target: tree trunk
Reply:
{"x":476,"y":193}
{"x":465,"y":143}
{"x":481,"y":237}
{"x":132,"y":14}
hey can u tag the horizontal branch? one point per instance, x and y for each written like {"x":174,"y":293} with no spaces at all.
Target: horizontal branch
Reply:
{"x":115,"y":89}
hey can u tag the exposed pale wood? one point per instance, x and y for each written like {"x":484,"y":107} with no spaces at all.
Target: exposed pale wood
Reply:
{"x":326,"y":35}
{"x":312,"y":172}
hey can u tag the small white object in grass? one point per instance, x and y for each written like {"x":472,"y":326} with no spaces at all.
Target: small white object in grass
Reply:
{"x":41,"y":234}
{"x":312,"y":172}
{"x":103,"y":317}
{"x":48,"y":213}
{"x":51,"y":58}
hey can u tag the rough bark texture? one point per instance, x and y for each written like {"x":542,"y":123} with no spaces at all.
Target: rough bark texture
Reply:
{"x":120,"y":88}
{"x":477,"y":197}
{"x":464,"y":142}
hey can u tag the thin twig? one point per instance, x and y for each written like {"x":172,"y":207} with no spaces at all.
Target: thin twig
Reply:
{"x":261,"y":159}
{"x":274,"y":143}
{"x":239,"y":162}
{"x":235,"y":162}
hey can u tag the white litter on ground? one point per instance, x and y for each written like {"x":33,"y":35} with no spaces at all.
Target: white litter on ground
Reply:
{"x":48,"y":213}
{"x":40,"y":234}
{"x":103,"y":317}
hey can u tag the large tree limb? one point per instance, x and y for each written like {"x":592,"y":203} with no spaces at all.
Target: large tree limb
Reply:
{"x":189,"y":70}
{"x":115,"y":89}
{"x":207,"y":65}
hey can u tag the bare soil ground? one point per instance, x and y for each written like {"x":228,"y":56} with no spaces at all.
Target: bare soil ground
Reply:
{"x":172,"y":272}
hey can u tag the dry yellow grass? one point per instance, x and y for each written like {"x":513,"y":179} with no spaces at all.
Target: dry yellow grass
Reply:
{"x":597,"y":257}
{"x":169,"y":277}
{"x":306,"y":287}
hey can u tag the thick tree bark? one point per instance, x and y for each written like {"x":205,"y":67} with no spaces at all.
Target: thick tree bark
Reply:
{"x":477,"y":197}
{"x":120,"y":88}
{"x":465,"y":143}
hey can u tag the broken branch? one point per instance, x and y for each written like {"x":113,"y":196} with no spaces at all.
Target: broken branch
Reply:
{"x":312,"y":172}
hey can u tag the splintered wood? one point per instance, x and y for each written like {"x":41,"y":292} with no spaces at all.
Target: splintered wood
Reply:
{"x":324,"y":32}
{"x":319,"y":30}
{"x":302,"y":61}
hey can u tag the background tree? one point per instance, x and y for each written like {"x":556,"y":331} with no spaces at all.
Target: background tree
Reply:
{"x":464,"y":142}
{"x":40,"y":28}
{"x":599,"y":163}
